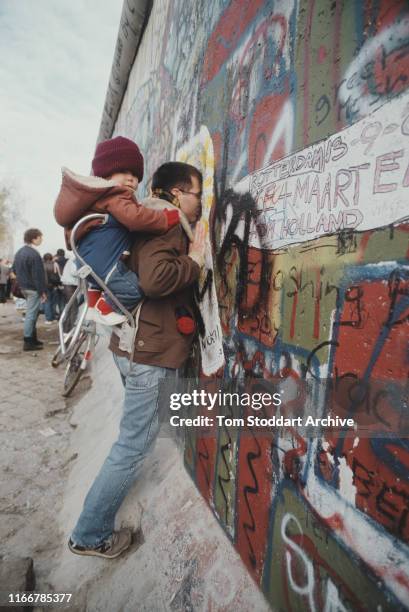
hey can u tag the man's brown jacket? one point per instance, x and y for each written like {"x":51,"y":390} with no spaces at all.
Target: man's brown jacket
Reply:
{"x":166,"y":275}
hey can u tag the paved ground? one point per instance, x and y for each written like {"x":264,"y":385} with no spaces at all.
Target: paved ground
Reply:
{"x":34,"y":444}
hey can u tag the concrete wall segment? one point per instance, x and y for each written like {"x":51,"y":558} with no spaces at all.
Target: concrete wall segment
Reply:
{"x":269,"y":80}
{"x":135,"y":14}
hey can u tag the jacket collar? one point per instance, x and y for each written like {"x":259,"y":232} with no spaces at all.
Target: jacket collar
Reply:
{"x":160,"y":204}
{"x":166,"y":195}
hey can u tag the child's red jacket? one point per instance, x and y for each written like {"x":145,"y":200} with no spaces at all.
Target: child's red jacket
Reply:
{"x":82,"y":195}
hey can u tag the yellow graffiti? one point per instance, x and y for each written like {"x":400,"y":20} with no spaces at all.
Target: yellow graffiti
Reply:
{"x":199,"y":152}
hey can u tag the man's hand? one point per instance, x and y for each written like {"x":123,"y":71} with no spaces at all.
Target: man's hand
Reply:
{"x":43,"y":298}
{"x":198,"y":246}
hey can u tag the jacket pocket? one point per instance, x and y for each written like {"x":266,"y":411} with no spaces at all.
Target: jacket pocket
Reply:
{"x":149,"y":346}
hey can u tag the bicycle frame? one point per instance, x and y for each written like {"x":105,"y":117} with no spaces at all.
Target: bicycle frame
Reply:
{"x":81,"y":289}
{"x":83,"y":272}
{"x":79,"y":356}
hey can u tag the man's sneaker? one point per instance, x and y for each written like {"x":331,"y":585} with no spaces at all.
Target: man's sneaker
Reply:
{"x":106,"y":315}
{"x":110,"y":549}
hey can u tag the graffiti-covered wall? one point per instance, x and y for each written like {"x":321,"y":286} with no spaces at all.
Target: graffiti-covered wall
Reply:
{"x":297,"y":112}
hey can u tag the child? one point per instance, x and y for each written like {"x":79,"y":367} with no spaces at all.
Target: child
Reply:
{"x":118,"y":168}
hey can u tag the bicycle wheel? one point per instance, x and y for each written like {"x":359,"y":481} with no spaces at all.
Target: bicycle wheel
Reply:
{"x":74,"y":371}
{"x":57,"y":358}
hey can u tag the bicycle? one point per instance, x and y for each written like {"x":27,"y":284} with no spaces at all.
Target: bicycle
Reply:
{"x":80,"y":354}
{"x":78,"y":345}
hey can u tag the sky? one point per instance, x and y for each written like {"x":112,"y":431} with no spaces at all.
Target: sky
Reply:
{"x":56,"y":58}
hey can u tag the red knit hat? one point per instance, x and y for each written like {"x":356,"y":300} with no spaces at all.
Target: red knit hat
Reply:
{"x":117,"y":154}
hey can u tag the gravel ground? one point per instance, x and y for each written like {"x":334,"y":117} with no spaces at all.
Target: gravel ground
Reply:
{"x":34,"y":445}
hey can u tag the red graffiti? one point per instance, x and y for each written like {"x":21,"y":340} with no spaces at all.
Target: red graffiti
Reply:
{"x":232,"y":24}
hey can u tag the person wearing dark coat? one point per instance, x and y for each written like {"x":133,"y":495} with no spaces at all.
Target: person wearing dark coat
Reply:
{"x":60,"y":259}
{"x":4,"y":276}
{"x":29,"y":270}
{"x":53,"y":276}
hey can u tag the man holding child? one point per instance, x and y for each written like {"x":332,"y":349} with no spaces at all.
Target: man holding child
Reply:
{"x":166,"y":266}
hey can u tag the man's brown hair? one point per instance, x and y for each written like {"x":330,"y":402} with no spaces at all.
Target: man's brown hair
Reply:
{"x":175,"y":174}
{"x":31,"y":234}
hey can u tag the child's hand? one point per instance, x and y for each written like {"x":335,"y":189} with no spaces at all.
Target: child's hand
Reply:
{"x":172,"y":217}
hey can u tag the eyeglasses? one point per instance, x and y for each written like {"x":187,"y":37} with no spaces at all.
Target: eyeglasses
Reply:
{"x":198,"y":195}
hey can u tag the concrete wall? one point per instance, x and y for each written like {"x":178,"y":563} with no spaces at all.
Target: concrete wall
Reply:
{"x":308,"y":266}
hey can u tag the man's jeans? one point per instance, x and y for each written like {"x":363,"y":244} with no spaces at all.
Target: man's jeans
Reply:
{"x":32,"y":309}
{"x":138,"y":429}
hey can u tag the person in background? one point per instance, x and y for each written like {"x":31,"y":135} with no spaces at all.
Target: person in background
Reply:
{"x":53,"y":282}
{"x":69,"y":279}
{"x":4,"y":276}
{"x":61,"y":260}
{"x":29,"y":270}
{"x":10,"y":279}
